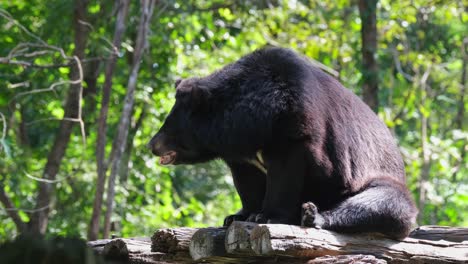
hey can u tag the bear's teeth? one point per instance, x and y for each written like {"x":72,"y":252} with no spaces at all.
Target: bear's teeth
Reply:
{"x":167,"y":158}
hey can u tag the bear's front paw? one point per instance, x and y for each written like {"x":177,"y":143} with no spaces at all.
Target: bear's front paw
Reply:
{"x":310,"y":216}
{"x":257,"y":218}
{"x":235,"y":217}
{"x":261,"y":218}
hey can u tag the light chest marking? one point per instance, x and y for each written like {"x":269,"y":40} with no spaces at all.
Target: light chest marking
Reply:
{"x":258,"y":162}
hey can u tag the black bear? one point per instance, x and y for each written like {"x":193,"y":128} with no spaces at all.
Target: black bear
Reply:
{"x":295,"y":139}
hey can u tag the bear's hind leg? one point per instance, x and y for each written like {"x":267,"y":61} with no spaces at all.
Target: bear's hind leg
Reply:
{"x":384,"y":206}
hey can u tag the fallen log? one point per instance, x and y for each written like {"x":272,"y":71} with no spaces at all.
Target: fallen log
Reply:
{"x":454,"y":234}
{"x":208,"y":242}
{"x":124,"y":250}
{"x":286,"y":240}
{"x":246,"y":242}
{"x":173,"y":241}
{"x":238,"y":238}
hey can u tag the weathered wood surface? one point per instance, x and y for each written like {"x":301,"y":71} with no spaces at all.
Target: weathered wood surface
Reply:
{"x":247,"y":242}
{"x":173,"y":241}
{"x":238,"y":238}
{"x":123,"y":250}
{"x":208,"y":242}
{"x":310,"y":242}
{"x":347,"y":259}
{"x":454,"y":234}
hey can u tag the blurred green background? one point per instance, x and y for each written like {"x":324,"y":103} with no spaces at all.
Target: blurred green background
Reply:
{"x":420,"y":44}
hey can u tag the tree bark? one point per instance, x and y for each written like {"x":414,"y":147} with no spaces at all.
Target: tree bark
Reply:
{"x":93,"y":230}
{"x":39,"y":219}
{"x":147,"y":7}
{"x":370,"y":77}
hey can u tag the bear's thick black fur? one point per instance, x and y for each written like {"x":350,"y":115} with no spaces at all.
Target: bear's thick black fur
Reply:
{"x":294,"y":138}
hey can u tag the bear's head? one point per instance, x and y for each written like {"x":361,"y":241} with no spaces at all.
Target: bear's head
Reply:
{"x":178,"y":141}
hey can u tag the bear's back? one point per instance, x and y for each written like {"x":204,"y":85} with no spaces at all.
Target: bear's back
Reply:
{"x":355,"y":140}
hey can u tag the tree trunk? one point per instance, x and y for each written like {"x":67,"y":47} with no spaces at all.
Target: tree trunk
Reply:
{"x":124,"y":165}
{"x":147,"y":7}
{"x":39,"y":219}
{"x":425,"y":156}
{"x":459,"y":119}
{"x":102,"y":126}
{"x":370,"y":77}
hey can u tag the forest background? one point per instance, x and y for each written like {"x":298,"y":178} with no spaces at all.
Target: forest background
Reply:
{"x":84,"y":85}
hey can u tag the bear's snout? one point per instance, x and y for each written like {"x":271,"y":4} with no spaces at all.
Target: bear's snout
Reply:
{"x":156,"y":144}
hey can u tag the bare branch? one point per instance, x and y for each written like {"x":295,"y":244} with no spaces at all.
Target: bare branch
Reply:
{"x":408,"y":77}
{"x":80,"y":99}
{"x":35,"y":210}
{"x":4,"y":126}
{"x":11,"y":210}
{"x":20,"y":84}
{"x":7,"y":16}
{"x":31,"y":64}
{"x":44,"y":180}
{"x":398,"y":66}
{"x":51,"y":88}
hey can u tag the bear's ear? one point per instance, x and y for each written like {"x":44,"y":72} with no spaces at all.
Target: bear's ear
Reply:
{"x":177,"y":82}
{"x":200,"y":97}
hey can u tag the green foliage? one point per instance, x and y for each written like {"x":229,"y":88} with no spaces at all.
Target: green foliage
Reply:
{"x":195,"y":38}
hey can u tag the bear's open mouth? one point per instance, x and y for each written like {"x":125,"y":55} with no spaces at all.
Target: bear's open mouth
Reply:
{"x":167,"y":158}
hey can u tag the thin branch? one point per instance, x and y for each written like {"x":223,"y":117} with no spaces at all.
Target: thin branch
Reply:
{"x":53,"y":119}
{"x":7,"y":16}
{"x":11,"y":210}
{"x":31,"y":64}
{"x":398,"y":66}
{"x":51,"y":88}
{"x":4,"y":126}
{"x":407,"y":77}
{"x":44,"y":180}
{"x":20,"y":84}
{"x":80,"y":99}
{"x":35,"y":210}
